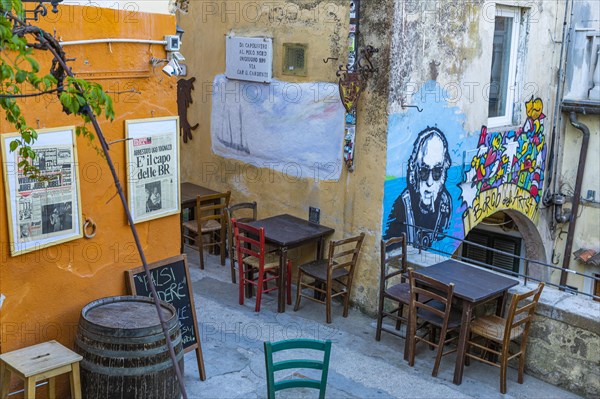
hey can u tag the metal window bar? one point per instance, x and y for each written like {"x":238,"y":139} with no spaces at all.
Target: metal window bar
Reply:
{"x":526,"y":261}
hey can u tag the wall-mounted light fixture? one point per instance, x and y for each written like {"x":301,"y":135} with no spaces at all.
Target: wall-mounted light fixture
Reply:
{"x":171,"y":69}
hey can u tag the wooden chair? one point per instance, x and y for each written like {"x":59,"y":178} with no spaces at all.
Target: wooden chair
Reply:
{"x":499,"y":332}
{"x":316,"y":364}
{"x":40,"y":362}
{"x":334,"y":273}
{"x":431,"y":302}
{"x":255,"y":263}
{"x":210,"y":219}
{"x":243,"y":212}
{"x":393,"y":270}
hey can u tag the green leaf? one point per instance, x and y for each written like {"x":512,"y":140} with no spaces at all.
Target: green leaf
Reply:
{"x":6,"y":5}
{"x":35,"y":66}
{"x":13,"y":145}
{"x":21,"y":76}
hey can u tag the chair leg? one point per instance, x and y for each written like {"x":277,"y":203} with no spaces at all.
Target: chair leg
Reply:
{"x":233,"y":279}
{"x":232,"y":265}
{"x":200,"y":243}
{"x":29,"y":388}
{"x":521,"y":366}
{"x":298,"y":289}
{"x":379,"y":319}
{"x":288,"y":283}
{"x":52,"y":388}
{"x":440,"y":352}
{"x":398,"y":321}
{"x":412,"y":341}
{"x":75,"y":381}
{"x":432,"y":335}
{"x":242,"y":284}
{"x":503,"y":364}
{"x":222,"y":249}
{"x":328,"y":304}
{"x":259,"y":291}
{"x":4,"y":380}
{"x":346,"y":303}
{"x":347,"y":294}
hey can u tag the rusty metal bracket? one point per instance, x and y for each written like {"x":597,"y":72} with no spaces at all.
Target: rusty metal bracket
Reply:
{"x":326,"y":60}
{"x":353,"y":78}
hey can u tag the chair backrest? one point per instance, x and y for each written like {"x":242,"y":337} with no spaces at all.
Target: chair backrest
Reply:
{"x":243,"y":212}
{"x":249,"y":241}
{"x":212,"y":207}
{"x":521,"y":311}
{"x":431,"y":297}
{"x":393,"y":264}
{"x":343,"y":254}
{"x":317,"y":364}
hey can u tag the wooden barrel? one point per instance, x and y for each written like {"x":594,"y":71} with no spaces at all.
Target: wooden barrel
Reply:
{"x":125,"y":354}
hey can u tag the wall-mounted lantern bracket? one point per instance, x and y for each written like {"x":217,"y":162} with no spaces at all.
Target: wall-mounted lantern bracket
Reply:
{"x":353,"y":78}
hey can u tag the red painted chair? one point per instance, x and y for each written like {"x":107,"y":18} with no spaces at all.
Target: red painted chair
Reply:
{"x":256,"y":266}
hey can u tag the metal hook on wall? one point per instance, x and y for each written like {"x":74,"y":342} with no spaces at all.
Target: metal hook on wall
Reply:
{"x":326,"y":60}
{"x":412,"y":106}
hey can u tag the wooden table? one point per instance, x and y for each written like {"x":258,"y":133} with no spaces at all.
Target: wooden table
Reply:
{"x":287,"y":231}
{"x":472,"y":286}
{"x":189,"y":193}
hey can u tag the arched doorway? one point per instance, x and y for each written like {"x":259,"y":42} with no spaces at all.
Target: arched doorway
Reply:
{"x":511,"y":232}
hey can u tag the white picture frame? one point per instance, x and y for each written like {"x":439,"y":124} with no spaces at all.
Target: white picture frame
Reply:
{"x":153,"y":177}
{"x":43,"y":212}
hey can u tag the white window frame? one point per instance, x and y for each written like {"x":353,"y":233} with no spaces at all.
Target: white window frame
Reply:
{"x":511,"y":89}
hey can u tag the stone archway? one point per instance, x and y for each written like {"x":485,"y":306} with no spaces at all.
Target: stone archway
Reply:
{"x":534,"y":246}
{"x":531,"y":238}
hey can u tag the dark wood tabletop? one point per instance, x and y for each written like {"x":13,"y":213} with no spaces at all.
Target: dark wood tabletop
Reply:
{"x":290,"y":231}
{"x":189,"y":193}
{"x":470,"y":283}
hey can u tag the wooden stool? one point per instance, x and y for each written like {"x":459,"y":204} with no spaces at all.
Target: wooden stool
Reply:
{"x":40,"y":362}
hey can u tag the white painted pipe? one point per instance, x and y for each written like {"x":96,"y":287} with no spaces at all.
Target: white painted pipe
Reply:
{"x":112,"y":40}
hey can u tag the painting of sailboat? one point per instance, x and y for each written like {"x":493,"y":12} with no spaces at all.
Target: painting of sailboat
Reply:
{"x":236,"y":144}
{"x":284,"y":126}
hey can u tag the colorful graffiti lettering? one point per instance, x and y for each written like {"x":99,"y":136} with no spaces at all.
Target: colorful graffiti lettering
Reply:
{"x":508,"y":170}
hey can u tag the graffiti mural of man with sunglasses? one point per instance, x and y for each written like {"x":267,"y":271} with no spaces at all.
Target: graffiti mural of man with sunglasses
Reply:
{"x":424,"y":208}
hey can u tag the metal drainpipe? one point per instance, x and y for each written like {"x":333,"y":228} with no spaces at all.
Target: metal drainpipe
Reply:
{"x":576,"y":195}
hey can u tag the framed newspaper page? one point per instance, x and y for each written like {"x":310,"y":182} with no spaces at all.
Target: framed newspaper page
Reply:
{"x":45,"y":211}
{"x":153,"y":167}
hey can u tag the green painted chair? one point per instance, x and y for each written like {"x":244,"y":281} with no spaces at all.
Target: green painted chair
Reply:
{"x":272,"y":347}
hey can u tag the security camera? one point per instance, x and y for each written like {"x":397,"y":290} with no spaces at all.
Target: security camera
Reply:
{"x":177,"y":56}
{"x":172,"y":68}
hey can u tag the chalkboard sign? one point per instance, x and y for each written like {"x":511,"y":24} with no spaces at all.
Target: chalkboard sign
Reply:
{"x":171,"y":279}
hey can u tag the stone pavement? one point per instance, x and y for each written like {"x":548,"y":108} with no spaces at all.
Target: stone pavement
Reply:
{"x":232,"y":339}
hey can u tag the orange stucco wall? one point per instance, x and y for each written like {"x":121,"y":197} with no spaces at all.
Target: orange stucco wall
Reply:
{"x":45,"y":290}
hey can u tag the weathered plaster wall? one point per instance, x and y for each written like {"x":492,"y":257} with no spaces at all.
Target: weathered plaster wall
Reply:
{"x":587,"y":230}
{"x":580,"y":57}
{"x":46,"y":289}
{"x":351,"y":204}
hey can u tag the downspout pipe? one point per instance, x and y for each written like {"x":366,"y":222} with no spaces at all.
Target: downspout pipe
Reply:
{"x":577,"y":194}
